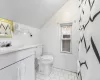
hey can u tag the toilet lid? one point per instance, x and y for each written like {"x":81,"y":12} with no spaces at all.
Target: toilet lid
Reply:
{"x":47,"y":57}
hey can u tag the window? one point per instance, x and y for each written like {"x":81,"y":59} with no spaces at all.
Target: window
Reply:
{"x":66,"y":32}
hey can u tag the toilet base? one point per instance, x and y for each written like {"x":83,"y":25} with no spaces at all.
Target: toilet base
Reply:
{"x":45,"y":69}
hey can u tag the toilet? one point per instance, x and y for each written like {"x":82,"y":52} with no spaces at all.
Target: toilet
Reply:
{"x":45,"y":62}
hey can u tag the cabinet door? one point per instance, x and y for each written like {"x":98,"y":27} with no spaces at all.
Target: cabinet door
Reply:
{"x":28,"y":68}
{"x":9,"y":73}
{"x":24,"y":70}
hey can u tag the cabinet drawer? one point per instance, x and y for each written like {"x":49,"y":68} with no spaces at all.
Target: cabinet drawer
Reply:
{"x":13,"y":57}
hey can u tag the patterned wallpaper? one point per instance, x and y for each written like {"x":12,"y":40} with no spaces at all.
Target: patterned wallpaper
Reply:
{"x":89,"y":44}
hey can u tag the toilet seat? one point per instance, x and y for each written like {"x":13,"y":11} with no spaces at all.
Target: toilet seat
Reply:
{"x":46,"y":59}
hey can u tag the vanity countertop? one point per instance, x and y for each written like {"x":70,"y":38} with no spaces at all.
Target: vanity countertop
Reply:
{"x":15,"y":49}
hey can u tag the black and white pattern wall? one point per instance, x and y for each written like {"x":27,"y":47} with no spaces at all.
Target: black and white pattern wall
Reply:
{"x":89,"y":44}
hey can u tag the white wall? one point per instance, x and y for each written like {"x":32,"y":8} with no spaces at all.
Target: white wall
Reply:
{"x":75,"y":37}
{"x":26,"y":39}
{"x":20,"y":38}
{"x":50,"y":36}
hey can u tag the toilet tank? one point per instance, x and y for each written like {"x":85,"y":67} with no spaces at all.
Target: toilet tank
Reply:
{"x":39,"y":51}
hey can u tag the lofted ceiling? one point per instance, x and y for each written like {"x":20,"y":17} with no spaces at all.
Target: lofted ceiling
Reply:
{"x":30,"y":12}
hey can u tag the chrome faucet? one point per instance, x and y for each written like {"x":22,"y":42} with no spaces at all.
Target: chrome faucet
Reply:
{"x":5,"y":44}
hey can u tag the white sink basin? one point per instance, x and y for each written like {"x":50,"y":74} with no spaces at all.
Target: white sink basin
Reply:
{"x":5,"y":50}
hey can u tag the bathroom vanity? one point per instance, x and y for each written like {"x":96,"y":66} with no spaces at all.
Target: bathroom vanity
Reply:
{"x":18,"y":63}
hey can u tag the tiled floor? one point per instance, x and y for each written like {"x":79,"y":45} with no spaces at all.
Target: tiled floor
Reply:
{"x":57,"y":74}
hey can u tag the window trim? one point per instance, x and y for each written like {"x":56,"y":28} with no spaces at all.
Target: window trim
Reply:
{"x":61,"y":38}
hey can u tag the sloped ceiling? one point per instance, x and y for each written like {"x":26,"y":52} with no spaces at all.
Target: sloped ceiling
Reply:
{"x":30,"y":12}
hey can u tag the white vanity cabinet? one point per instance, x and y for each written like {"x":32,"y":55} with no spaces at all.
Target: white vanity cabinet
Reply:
{"x":23,"y":70}
{"x":19,"y":65}
{"x":38,"y":51}
{"x":10,"y":73}
{"x":28,"y":69}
